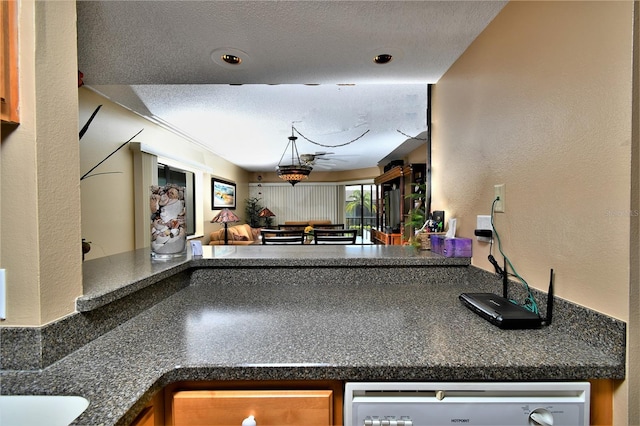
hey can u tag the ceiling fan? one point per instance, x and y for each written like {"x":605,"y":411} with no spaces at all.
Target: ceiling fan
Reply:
{"x":310,"y":159}
{"x":321,"y":160}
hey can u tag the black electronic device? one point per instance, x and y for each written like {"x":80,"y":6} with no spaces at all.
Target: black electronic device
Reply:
{"x":438,"y":218}
{"x":505,"y":314}
{"x":483,"y":233}
{"x":500,"y":311}
{"x":391,"y":164}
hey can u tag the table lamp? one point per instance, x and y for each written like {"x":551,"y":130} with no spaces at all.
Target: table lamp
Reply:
{"x":225,"y":216}
{"x":267,"y":214}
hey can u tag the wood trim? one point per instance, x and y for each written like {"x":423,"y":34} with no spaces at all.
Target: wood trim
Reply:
{"x":9,"y":66}
{"x":601,"y":408}
{"x":4,"y":34}
{"x":386,"y":239}
{"x":389,"y":175}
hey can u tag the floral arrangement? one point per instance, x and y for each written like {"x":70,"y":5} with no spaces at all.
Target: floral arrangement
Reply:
{"x":309,"y":232}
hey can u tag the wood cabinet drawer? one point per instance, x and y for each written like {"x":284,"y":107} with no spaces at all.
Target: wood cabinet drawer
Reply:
{"x":269,"y":407}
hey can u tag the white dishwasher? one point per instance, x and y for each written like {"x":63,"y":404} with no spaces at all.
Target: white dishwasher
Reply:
{"x":466,"y":403}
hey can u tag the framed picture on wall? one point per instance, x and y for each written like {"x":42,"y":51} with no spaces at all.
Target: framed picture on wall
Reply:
{"x":223,"y":194}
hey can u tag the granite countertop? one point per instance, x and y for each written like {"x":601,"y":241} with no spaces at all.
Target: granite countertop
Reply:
{"x":110,"y":278}
{"x":341,"y":321}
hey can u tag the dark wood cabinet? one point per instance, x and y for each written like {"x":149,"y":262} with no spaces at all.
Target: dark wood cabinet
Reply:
{"x":393,"y":203}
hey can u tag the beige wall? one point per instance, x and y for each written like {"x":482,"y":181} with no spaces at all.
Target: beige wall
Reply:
{"x":417,"y":156}
{"x":40,"y":215}
{"x":541,"y":102}
{"x":107,"y":199}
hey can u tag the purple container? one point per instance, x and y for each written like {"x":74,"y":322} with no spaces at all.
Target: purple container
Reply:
{"x":457,"y":247}
{"x":437,"y":243}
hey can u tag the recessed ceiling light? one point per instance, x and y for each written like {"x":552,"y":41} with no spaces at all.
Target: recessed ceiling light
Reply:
{"x":231,"y":58}
{"x":383,"y":58}
{"x":384,"y":55}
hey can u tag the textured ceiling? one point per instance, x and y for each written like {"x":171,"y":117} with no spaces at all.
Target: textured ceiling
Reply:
{"x":305,"y":63}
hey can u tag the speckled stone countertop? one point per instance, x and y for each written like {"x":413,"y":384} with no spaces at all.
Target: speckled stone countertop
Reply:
{"x":113,"y":277}
{"x":352,"y":315}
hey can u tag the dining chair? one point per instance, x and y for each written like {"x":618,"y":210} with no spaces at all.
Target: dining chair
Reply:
{"x":334,"y":236}
{"x":282,"y":236}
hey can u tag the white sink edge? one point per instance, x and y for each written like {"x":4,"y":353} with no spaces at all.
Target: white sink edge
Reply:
{"x":36,"y":410}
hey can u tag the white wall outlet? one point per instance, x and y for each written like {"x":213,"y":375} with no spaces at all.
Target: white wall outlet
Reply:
{"x":483,"y":222}
{"x":499,"y":191}
{"x":3,"y":295}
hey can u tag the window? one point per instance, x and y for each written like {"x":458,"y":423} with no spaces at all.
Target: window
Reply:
{"x":167,"y":175}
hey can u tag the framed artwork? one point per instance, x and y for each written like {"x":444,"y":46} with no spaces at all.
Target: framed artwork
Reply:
{"x":223,"y":194}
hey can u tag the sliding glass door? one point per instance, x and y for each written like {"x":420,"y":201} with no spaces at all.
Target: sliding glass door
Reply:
{"x":360,"y":210}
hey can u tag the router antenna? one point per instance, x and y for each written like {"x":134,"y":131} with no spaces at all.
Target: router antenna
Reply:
{"x":505,"y":279}
{"x":547,"y":321}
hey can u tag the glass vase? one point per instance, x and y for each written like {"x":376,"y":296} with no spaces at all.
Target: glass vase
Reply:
{"x":168,"y":221}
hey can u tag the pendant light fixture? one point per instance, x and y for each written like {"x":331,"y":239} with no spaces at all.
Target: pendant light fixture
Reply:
{"x":296,"y":171}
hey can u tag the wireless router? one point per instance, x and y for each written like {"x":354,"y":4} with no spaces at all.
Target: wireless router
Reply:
{"x":500,"y":311}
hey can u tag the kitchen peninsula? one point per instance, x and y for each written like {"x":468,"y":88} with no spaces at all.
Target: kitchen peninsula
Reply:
{"x":262,"y":313}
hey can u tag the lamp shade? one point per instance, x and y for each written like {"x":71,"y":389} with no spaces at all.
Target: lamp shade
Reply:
{"x":225,"y":216}
{"x":296,"y":171}
{"x":293,"y":174}
{"x":265,"y":212}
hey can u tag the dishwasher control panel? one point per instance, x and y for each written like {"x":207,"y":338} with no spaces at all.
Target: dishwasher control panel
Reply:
{"x":464,"y":403}
{"x":388,"y":421}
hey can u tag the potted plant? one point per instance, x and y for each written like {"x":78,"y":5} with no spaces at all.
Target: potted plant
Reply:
{"x":252,"y":212}
{"x":417,"y":218}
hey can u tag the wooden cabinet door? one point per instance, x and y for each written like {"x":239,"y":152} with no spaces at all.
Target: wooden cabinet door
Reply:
{"x":8,"y":62}
{"x":269,"y":407}
{"x":145,"y":418}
